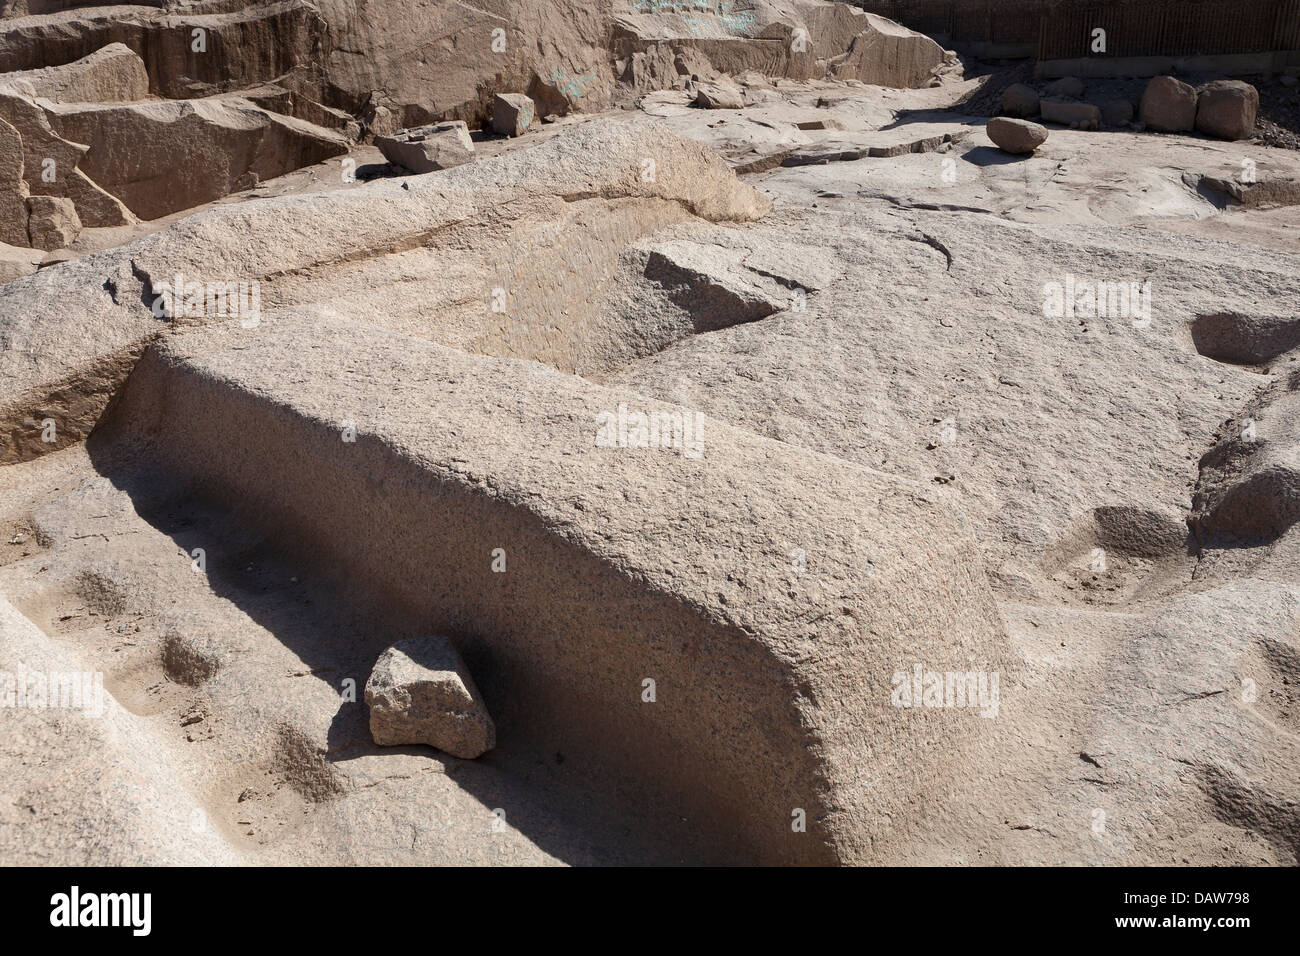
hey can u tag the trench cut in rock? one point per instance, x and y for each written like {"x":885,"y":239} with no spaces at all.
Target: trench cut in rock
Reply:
{"x":421,"y":692}
{"x":727,"y":453}
{"x":767,"y":708}
{"x":70,"y":341}
{"x":119,"y":789}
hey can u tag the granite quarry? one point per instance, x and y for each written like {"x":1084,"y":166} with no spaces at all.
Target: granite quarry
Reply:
{"x":638,"y":432}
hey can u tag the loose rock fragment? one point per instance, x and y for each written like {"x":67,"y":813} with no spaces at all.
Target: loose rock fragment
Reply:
{"x":512,"y":113}
{"x":1015,"y":136}
{"x":425,"y":149}
{"x":52,"y":222}
{"x":421,"y":692}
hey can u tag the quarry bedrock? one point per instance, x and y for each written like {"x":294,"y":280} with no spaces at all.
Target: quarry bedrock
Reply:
{"x":625,"y":564}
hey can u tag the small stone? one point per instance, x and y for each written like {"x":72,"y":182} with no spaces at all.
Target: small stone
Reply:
{"x":424,"y":149}
{"x":512,"y":113}
{"x":196,"y":714}
{"x":420,"y":692}
{"x":52,"y":222}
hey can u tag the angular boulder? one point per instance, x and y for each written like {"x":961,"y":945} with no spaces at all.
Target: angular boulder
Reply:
{"x":1020,"y":99}
{"x":1267,"y":190}
{"x":1227,"y":109}
{"x":1015,"y":136}
{"x":421,"y":692}
{"x":52,"y":222}
{"x":1067,"y":113}
{"x":424,"y":149}
{"x":512,"y":113}
{"x":1168,"y":105}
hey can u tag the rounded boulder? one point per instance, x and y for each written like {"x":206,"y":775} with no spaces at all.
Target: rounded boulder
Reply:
{"x":1015,"y":136}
